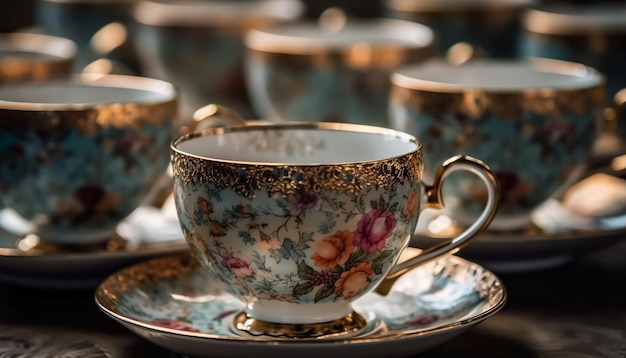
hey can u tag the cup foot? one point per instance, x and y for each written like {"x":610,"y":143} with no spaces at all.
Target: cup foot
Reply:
{"x":347,"y":326}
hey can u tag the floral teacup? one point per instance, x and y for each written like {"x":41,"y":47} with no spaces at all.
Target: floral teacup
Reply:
{"x":300,"y":219}
{"x":534,"y":121}
{"x":79,"y":154}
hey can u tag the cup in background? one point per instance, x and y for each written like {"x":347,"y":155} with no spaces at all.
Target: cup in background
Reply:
{"x":299,"y":219}
{"x":102,"y":30}
{"x":77,"y":155}
{"x":34,"y":57}
{"x":198,"y":46}
{"x":591,"y":34}
{"x":334,"y":70}
{"x":534,"y":121}
{"x":475,"y":28}
{"x":617,"y":123}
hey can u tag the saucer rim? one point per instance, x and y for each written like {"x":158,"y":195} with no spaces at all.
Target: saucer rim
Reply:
{"x":399,"y":334}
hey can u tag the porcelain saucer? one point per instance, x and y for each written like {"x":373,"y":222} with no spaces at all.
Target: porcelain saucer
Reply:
{"x":146,"y":233}
{"x":523,"y":250}
{"x":173,"y":303}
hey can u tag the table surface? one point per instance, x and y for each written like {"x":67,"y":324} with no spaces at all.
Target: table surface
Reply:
{"x":576,"y":311}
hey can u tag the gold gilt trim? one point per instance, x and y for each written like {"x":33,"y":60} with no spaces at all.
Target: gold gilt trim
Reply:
{"x":475,"y":103}
{"x":345,"y":326}
{"x":15,"y":69}
{"x":357,"y":56}
{"x":90,"y":121}
{"x":247,"y":179}
{"x":110,"y":292}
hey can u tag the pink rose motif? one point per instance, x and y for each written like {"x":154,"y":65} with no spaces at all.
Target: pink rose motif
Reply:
{"x":373,"y":230}
{"x":174,"y":324}
{"x":238,"y":264}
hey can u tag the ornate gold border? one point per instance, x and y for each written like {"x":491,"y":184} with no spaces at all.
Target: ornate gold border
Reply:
{"x":285,"y":179}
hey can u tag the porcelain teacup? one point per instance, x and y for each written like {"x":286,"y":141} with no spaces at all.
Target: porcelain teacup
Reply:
{"x":534,"y":121}
{"x":79,"y":154}
{"x":332,"y":70}
{"x":298,"y":219}
{"x":592,"y":34}
{"x":34,"y":57}
{"x":466,"y":29}
{"x":103,"y":31}
{"x":199,"y":46}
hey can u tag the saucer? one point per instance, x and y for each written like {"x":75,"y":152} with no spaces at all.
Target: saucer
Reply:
{"x":527,"y":249}
{"x":173,"y":303}
{"x":588,"y":216}
{"x":146,"y":233}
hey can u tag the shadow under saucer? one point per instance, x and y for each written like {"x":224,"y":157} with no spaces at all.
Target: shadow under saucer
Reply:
{"x":25,"y":260}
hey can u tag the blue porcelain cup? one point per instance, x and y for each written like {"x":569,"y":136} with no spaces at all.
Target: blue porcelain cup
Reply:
{"x":314,"y":72}
{"x":534,"y":121}
{"x":199,"y":46}
{"x":488,"y":27}
{"x":102,"y":30}
{"x":35,"y":57}
{"x":77,"y":155}
{"x":591,"y":34}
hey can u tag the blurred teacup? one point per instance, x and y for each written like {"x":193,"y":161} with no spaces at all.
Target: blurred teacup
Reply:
{"x":34,"y":57}
{"x":299,"y":219}
{"x":534,"y":121}
{"x":79,"y":154}
{"x":591,"y":34}
{"x":198,"y":46}
{"x":475,"y":28}
{"x":103,"y":30}
{"x":336,"y":70}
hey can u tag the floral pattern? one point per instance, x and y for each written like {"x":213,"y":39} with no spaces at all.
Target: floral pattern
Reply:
{"x":306,"y":247}
{"x":434,"y":295}
{"x":533,"y":144}
{"x":72,"y":180}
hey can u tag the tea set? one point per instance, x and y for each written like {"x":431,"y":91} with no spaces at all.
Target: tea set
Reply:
{"x":346,"y":189}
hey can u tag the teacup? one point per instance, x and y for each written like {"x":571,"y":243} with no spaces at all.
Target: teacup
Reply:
{"x":331,"y":71}
{"x":79,"y":154}
{"x":591,"y":34}
{"x":300,"y":219}
{"x":103,"y":30}
{"x":534,"y":121}
{"x":465,"y":28}
{"x":198,"y":46}
{"x":34,"y":57}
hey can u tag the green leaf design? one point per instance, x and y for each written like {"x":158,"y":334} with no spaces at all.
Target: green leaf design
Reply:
{"x":383,"y":204}
{"x":355,"y":257}
{"x":305,"y":272}
{"x":247,"y":238}
{"x":324,"y":292}
{"x":303,"y":288}
{"x":377,"y":267}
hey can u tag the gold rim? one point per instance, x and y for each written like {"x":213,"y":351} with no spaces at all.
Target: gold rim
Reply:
{"x":406,"y":78}
{"x":342,"y":127}
{"x":143,"y":274}
{"x":351,"y":324}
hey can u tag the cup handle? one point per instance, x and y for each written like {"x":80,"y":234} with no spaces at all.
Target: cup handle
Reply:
{"x":434,"y":199}
{"x":213,"y":116}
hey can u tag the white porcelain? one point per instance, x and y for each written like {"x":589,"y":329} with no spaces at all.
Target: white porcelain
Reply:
{"x":299,"y":220}
{"x":172,"y":303}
